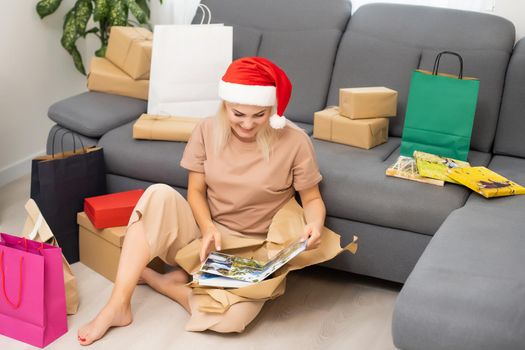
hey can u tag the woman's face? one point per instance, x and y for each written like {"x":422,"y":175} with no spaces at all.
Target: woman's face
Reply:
{"x":247,"y":120}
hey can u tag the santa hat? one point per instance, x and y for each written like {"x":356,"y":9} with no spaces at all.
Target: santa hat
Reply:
{"x":259,"y":82}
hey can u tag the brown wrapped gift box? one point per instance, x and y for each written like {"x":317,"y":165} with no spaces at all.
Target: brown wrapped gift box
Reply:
{"x":367,"y":102}
{"x":164,"y":128}
{"x":329,"y":125}
{"x":129,"y":48}
{"x":104,"y":76}
{"x":100,"y":249}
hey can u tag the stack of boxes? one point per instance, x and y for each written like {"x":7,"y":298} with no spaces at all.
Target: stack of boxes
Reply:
{"x":103,"y":225}
{"x":360,"y":120}
{"x":125,"y":69}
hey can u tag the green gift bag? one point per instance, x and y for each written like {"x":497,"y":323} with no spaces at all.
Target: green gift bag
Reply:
{"x":440,"y":112}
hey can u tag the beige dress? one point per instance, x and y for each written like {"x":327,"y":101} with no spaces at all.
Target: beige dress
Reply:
{"x":251,"y":202}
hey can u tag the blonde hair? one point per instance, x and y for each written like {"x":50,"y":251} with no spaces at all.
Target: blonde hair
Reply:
{"x":222,"y":133}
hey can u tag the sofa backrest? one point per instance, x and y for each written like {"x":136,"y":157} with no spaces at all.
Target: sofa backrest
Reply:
{"x":301,"y":36}
{"x":384,"y":43}
{"x":511,"y":123}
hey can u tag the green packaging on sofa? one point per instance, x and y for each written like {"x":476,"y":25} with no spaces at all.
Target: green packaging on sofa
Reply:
{"x":440,"y":112}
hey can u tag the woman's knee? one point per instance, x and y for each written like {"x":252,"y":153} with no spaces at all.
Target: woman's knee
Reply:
{"x":161,"y":192}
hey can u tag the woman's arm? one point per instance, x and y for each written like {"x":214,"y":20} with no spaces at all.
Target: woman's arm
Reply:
{"x":314,"y":213}
{"x":201,"y":212}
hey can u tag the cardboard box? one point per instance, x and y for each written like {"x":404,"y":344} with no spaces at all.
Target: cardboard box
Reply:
{"x":104,"y":76}
{"x":367,"y":102}
{"x":329,"y":125}
{"x":129,"y":48}
{"x":164,"y":128}
{"x":100,"y":249}
{"x":111,"y":210}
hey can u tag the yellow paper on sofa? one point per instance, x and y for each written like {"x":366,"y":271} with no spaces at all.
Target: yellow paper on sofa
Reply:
{"x":486,"y":182}
{"x":437,"y":167}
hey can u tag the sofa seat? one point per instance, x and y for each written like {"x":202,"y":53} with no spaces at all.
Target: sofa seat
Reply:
{"x":356,"y":187}
{"x":467,"y":289}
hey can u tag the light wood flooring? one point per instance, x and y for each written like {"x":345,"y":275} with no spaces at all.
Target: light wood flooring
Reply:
{"x":321,"y":309}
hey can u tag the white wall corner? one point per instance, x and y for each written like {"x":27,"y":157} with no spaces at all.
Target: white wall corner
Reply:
{"x":18,"y":169}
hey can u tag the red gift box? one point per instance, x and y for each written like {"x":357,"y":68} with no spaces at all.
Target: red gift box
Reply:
{"x":111,"y":210}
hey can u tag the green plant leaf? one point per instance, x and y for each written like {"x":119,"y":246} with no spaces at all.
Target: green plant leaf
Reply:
{"x":118,"y":13}
{"x":69,"y":35}
{"x":83,"y":11}
{"x":101,"y":11}
{"x":137,"y":11}
{"x":102,"y":51}
{"x":93,"y":30}
{"x":77,"y":60}
{"x":46,"y":7}
{"x":144,"y":6}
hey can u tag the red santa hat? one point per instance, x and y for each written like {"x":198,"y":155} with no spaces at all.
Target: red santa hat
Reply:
{"x":257,"y":81}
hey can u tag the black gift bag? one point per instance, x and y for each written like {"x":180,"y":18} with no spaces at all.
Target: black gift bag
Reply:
{"x":59,"y":184}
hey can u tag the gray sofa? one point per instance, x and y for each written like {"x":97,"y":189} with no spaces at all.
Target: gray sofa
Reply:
{"x":465,"y":289}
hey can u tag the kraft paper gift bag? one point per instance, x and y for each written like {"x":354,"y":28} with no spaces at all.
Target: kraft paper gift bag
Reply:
{"x":59,"y":184}
{"x":440,"y":113}
{"x":32,"y":298}
{"x":187,"y":64}
{"x":36,"y":228}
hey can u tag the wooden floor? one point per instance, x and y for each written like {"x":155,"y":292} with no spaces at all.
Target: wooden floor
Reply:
{"x":321,"y":309}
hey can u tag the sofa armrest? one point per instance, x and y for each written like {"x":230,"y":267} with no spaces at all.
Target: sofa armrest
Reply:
{"x":94,"y":113}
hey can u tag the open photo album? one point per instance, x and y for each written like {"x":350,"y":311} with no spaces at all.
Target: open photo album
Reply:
{"x":229,"y":271}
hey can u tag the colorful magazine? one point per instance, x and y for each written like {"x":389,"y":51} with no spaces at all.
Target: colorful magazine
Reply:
{"x":250,"y":271}
{"x":406,"y":168}
{"x":437,"y":167}
{"x":486,"y":182}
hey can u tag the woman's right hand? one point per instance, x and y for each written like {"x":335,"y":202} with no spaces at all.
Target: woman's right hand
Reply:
{"x":211,"y":235}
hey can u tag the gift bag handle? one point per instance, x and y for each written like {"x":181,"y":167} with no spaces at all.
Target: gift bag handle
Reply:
{"x":17,"y":304}
{"x":205,"y":9}
{"x":438,"y":58}
{"x":62,"y":142}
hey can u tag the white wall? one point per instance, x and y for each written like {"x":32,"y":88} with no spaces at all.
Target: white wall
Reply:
{"x":35,"y":71}
{"x":513,"y":10}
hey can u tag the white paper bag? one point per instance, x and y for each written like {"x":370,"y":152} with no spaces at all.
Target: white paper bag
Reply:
{"x":186,"y":65}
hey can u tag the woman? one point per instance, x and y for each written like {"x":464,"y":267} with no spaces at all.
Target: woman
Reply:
{"x":245,"y":164}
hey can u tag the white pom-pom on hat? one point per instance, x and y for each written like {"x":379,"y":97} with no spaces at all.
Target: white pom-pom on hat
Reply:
{"x":257,"y":81}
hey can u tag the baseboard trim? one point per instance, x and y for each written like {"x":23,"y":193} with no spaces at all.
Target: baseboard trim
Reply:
{"x":18,"y":169}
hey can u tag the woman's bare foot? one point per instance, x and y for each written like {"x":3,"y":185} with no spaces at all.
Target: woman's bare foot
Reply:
{"x":112,"y":315}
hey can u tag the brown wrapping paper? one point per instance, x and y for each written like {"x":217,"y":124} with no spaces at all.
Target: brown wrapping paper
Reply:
{"x":329,"y":125}
{"x":104,"y":76}
{"x":100,"y":249}
{"x":45,"y":235}
{"x":129,"y":48}
{"x":287,"y":224}
{"x":367,"y":102}
{"x":164,"y":128}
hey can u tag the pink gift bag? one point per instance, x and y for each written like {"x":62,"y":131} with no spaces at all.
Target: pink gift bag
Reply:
{"x":32,"y":292}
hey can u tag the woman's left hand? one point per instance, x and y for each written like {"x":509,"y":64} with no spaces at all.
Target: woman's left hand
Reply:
{"x":313,"y":235}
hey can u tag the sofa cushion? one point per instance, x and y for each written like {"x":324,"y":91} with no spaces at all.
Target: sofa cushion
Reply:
{"x":355,"y":187}
{"x":511,"y":124}
{"x":467,"y":289}
{"x":94,"y":113}
{"x":384,"y":43}
{"x":301,"y":36}
{"x":153,"y":161}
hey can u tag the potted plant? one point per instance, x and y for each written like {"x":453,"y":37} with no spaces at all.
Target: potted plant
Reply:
{"x":105,"y":13}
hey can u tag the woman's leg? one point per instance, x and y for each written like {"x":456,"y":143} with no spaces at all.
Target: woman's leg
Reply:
{"x":171,"y":284}
{"x":117,"y":312}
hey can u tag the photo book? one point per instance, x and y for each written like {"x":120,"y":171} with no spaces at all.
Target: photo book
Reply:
{"x":229,"y":271}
